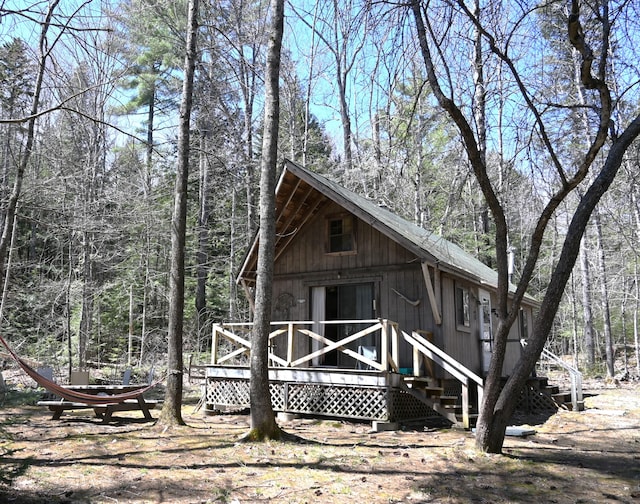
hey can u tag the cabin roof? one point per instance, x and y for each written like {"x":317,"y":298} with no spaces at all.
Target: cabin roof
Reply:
{"x":301,"y":194}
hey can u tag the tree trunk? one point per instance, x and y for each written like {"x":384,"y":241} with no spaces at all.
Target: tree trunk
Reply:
{"x":587,"y":316}
{"x":172,"y":408}
{"x":604,"y":292}
{"x":342,"y":72}
{"x":67,"y":312}
{"x":202,"y":255}
{"x":307,"y":98}
{"x":636,"y":314}
{"x":86,"y":312}
{"x":636,"y":306}
{"x":7,"y":273}
{"x":263,"y":424}
{"x":623,"y":319}
{"x":232,"y":254}
{"x":149,"y":146}
{"x":499,"y":403}
{"x":491,"y":437}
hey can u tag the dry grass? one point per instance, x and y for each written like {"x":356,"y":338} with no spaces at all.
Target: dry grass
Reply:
{"x":573,"y":458}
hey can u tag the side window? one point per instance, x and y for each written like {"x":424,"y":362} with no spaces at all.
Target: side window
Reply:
{"x":524,"y":326}
{"x":341,"y":234}
{"x":462,"y":307}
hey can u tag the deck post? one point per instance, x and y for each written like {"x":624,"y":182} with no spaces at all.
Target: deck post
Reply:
{"x":465,"y":406}
{"x":290,"y":333}
{"x":395,"y":353}
{"x":384,"y":345}
{"x":416,"y":361}
{"x":214,"y":346}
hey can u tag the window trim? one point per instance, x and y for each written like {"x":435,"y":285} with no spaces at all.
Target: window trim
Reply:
{"x":354,"y":243}
{"x":464,"y":324}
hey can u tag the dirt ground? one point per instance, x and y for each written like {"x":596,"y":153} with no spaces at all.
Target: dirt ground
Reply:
{"x":574,"y":457}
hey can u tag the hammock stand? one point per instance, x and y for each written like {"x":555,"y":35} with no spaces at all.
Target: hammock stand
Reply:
{"x":72,"y":395}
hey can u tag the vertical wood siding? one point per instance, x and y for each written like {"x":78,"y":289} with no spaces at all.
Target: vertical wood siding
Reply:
{"x":391,"y":267}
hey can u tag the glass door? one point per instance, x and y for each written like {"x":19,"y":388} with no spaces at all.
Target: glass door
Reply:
{"x":350,"y":303}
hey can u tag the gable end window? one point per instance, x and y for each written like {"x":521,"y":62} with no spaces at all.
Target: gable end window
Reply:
{"x":341,"y":235}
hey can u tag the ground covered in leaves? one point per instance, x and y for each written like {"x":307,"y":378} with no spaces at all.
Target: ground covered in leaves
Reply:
{"x":574,"y":457}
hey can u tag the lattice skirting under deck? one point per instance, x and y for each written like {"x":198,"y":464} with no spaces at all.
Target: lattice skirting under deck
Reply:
{"x":533,"y":400}
{"x":388,"y":404}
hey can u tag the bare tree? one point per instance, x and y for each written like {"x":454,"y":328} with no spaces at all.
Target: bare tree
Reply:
{"x":263,"y":423}
{"x":23,"y":161}
{"x":604,"y":291}
{"x":171,"y":410}
{"x":569,"y":171}
{"x":341,"y":31}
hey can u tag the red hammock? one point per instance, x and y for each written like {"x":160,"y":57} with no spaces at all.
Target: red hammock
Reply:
{"x":72,"y":395}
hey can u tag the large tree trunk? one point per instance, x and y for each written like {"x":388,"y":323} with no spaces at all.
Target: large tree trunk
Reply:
{"x":263,"y":424}
{"x":490,"y":434}
{"x":172,"y":408}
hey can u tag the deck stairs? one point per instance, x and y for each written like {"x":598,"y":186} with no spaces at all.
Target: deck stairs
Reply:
{"x":430,"y":393}
{"x":562,"y":399}
{"x":541,"y":396}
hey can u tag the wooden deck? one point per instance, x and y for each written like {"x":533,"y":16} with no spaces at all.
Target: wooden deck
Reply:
{"x":335,"y":393}
{"x":373,"y":390}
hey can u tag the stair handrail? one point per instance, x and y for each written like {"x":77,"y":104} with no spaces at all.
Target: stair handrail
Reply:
{"x":446,"y":358}
{"x":452,"y":366}
{"x":574,"y":374}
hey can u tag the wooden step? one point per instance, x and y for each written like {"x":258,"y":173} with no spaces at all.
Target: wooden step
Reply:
{"x":422,"y":383}
{"x":424,"y":380}
{"x":447,"y":401}
{"x":562,"y":397}
{"x":540,"y":381}
{"x":433,"y":392}
{"x":473,"y":418}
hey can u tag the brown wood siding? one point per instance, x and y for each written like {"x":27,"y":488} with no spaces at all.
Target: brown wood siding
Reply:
{"x":378,"y":259}
{"x":306,"y":253}
{"x":462,"y":345}
{"x":390,"y":266}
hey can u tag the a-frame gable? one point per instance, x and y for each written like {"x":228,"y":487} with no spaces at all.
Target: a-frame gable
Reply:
{"x":301,"y":194}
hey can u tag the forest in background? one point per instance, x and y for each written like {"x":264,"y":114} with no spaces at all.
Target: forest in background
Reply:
{"x":88,"y":113}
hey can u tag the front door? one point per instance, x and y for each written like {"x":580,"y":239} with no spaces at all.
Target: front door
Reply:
{"x":348,"y":303}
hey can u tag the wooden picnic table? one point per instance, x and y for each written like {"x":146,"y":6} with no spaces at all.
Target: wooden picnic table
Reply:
{"x":103,"y":411}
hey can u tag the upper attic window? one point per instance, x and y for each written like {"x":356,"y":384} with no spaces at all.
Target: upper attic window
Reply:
{"x":341,"y":234}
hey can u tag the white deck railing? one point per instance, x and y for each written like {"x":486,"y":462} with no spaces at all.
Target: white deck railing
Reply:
{"x":238,"y":335}
{"x":238,"y":345}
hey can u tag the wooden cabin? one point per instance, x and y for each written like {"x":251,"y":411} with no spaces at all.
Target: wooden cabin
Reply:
{"x":364,"y":299}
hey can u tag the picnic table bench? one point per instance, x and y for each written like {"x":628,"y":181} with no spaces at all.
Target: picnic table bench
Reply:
{"x":106,"y":409}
